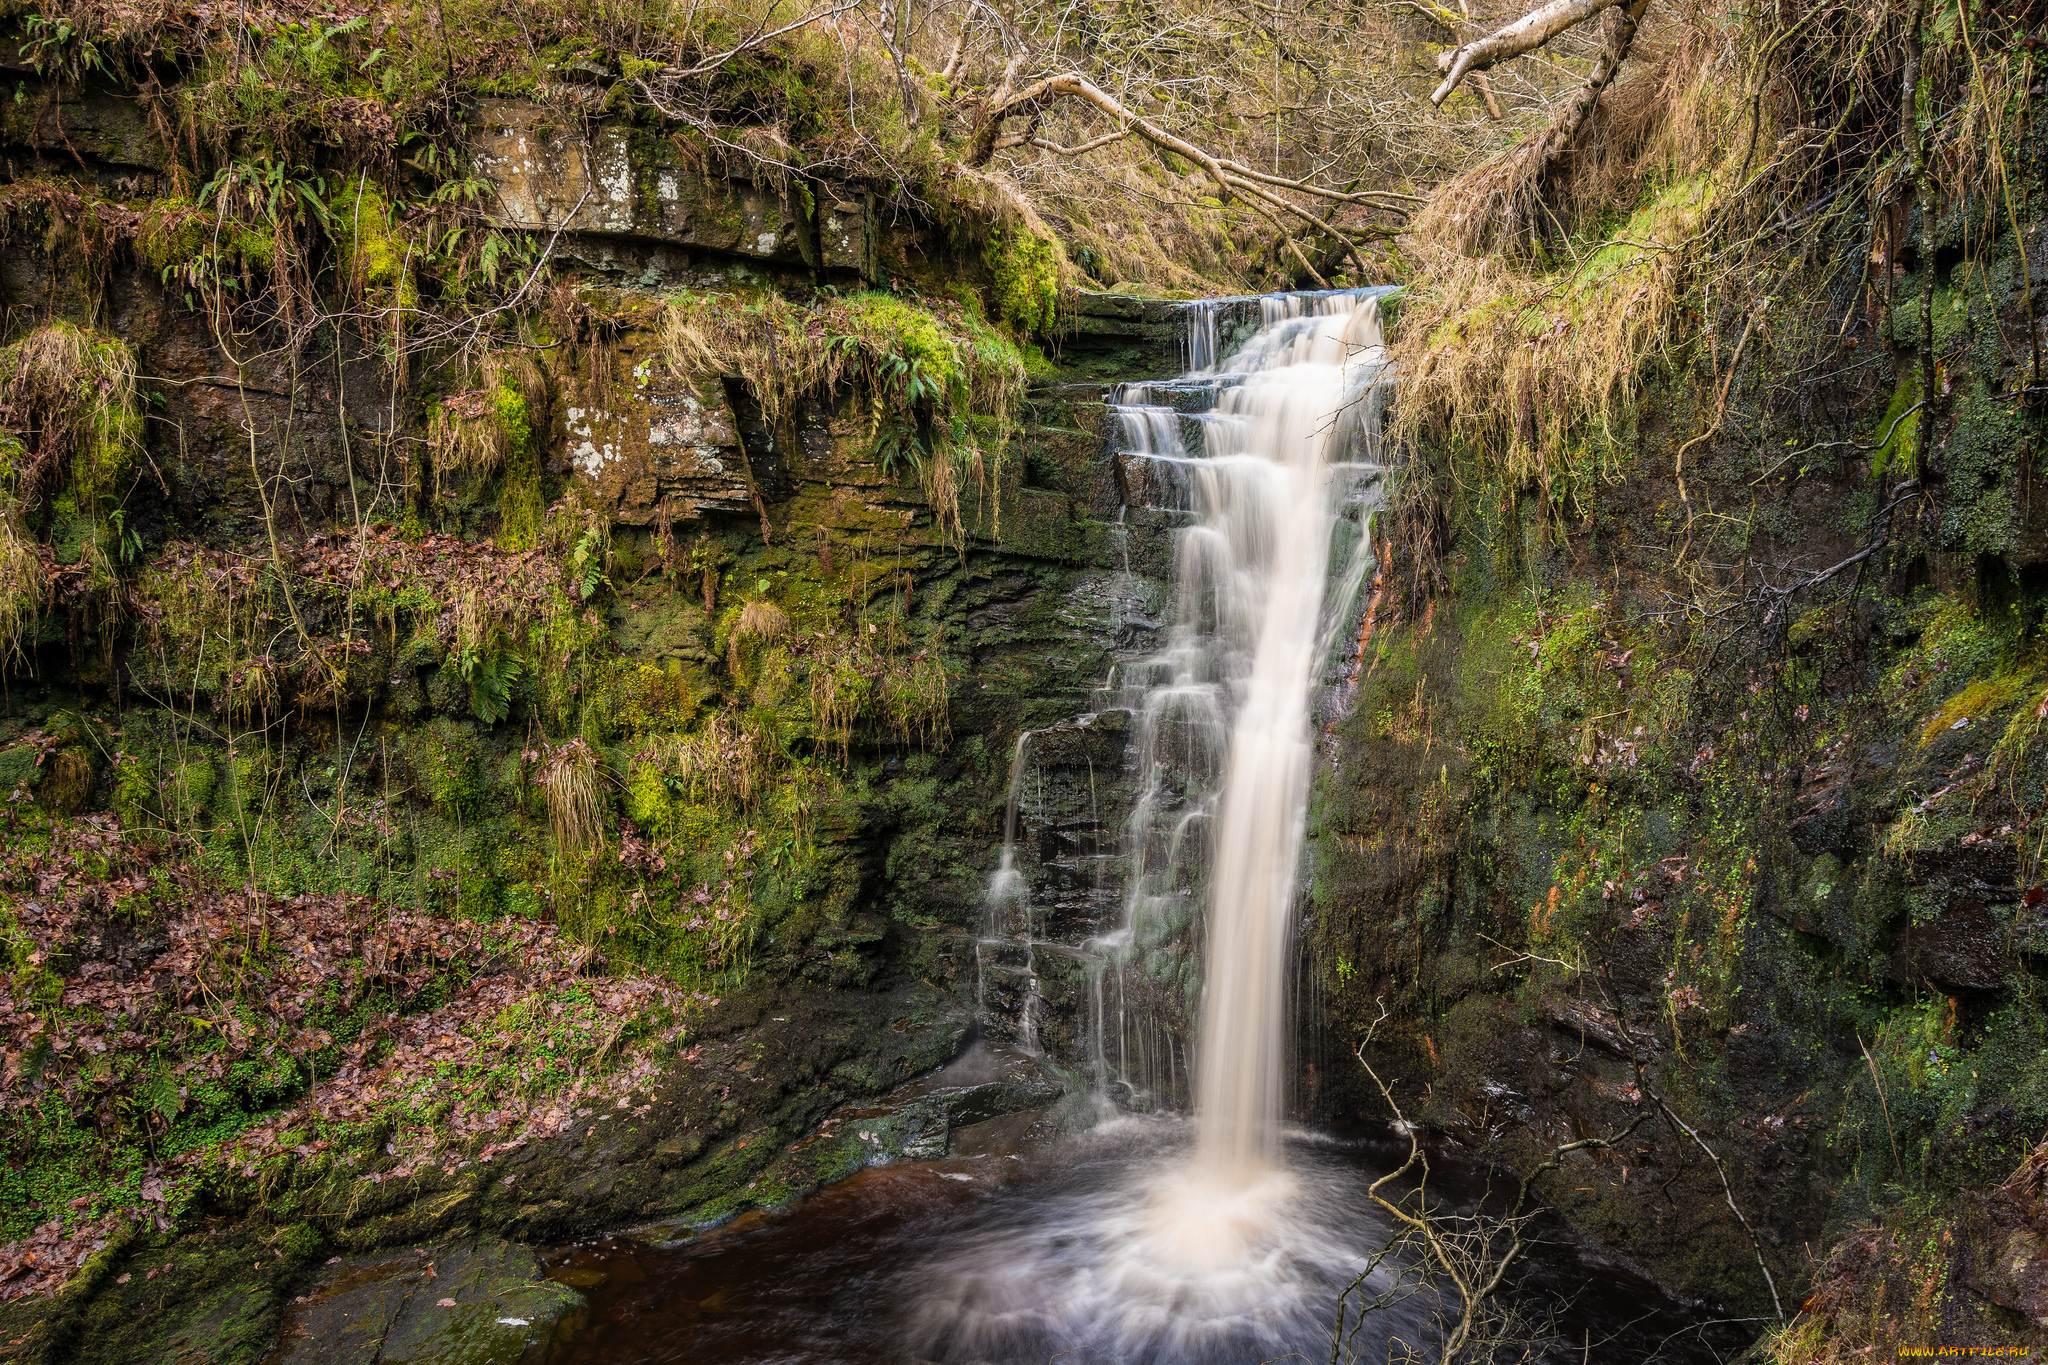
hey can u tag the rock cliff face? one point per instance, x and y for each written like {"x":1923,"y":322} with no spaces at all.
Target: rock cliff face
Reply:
{"x":1699,"y":810}
{"x":618,"y":182}
{"x":657,"y":620}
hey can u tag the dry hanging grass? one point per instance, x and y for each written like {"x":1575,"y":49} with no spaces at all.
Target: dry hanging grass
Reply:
{"x":568,"y":780}
{"x":764,"y":340}
{"x":23,"y":587}
{"x":944,"y":387}
{"x":479,"y":429}
{"x":69,"y":397}
{"x":724,"y":764}
{"x":756,"y":623}
{"x":1521,"y":346}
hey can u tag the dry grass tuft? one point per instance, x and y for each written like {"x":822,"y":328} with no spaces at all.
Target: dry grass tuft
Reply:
{"x":480,"y":429}
{"x":761,"y":621}
{"x":568,"y":780}
{"x":1674,"y":116}
{"x":766,"y":341}
{"x":69,"y":398}
{"x":753,"y":625}
{"x":725,"y":764}
{"x":23,"y":587}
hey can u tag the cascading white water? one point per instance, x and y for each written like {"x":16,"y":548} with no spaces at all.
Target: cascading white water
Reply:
{"x":1288,"y":430}
{"x":1223,"y":1246}
{"x":1265,"y":546}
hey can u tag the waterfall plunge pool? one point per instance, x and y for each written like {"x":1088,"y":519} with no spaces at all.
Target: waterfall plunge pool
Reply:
{"x":1096,"y":1249}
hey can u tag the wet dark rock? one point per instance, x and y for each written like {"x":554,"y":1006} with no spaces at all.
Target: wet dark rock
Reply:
{"x":1016,"y":1134}
{"x":1964,"y":948}
{"x":2008,"y":1230}
{"x":480,"y":1301}
{"x":1118,"y":337}
{"x":1588,"y":1021}
{"x":916,"y":1122}
{"x":766,"y":1073}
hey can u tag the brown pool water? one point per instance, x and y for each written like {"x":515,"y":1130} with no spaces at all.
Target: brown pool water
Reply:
{"x":1074,"y":1253}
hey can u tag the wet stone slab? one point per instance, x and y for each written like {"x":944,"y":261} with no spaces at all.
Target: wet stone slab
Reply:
{"x":479,"y":1301}
{"x":917,"y":1122}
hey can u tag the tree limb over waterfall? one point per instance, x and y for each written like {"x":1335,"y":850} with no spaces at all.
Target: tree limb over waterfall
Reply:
{"x":1504,"y":198}
{"x":1254,"y":188}
{"x":1526,"y":34}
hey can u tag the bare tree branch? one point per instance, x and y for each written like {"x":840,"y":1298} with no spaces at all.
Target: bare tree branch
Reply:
{"x":1257,"y":189}
{"x":761,"y":36}
{"x":1083,"y":149}
{"x":1526,"y":34}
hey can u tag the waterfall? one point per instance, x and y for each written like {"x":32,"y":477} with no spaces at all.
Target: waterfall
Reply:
{"x":1261,"y":463}
{"x":1264,"y":459}
{"x":1286,"y":433}
{"x":1260,"y":565}
{"x":1263,"y":577}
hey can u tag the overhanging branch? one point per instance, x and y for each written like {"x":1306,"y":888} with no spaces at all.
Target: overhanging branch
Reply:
{"x":1257,"y":189}
{"x":1526,"y":34}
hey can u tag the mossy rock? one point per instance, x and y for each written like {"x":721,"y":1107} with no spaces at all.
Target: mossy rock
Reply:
{"x":18,"y":766}
{"x":445,"y":756}
{"x":247,"y":785}
{"x":447,"y":693}
{"x":66,"y":782}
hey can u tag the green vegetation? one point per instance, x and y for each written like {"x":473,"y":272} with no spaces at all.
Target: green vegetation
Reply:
{"x":1024,"y":267}
{"x":942,"y":387}
{"x":299,"y":1034}
{"x":66,"y":467}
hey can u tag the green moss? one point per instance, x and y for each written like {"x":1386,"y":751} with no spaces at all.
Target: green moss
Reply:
{"x":522,"y":501}
{"x":1039,"y":367}
{"x":898,"y":328}
{"x":250,"y":774}
{"x":636,"y":698}
{"x":1981,"y":699}
{"x":1958,"y":1107}
{"x":445,"y":759}
{"x":188,"y":791}
{"x":172,"y":235}
{"x":188,"y":245}
{"x":647,"y":798}
{"x":1670,"y":213}
{"x":369,"y":251}
{"x":1985,"y":457}
{"x":1024,"y":270}
{"x":522,"y":508}
{"x":508,"y":405}
{"x":1898,"y":431}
